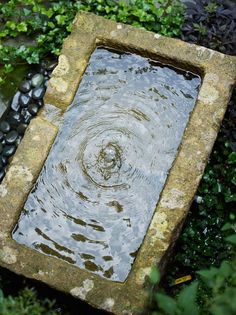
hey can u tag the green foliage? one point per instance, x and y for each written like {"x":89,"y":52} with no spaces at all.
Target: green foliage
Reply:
{"x":213,"y":294}
{"x":46,"y":26}
{"x":25,"y":303}
{"x":185,"y":303}
{"x":201,"y":243}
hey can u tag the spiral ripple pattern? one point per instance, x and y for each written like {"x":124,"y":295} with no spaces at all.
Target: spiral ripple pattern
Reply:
{"x":99,"y":187}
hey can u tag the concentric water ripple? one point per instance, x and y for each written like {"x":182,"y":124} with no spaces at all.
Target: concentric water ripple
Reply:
{"x":96,"y":194}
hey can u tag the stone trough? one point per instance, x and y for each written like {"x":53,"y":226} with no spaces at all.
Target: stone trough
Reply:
{"x":122,"y":288}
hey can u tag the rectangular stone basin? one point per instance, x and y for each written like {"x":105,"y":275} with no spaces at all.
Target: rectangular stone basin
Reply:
{"x":100,"y":186}
{"x":103,"y":177}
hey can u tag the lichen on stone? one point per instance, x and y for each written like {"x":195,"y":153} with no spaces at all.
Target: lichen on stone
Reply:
{"x":81,"y":292}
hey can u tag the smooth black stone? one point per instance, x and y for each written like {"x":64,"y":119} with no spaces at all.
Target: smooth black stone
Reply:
{"x":21,"y":128}
{"x":11,"y":137}
{"x":24,"y":100}
{"x":15,"y":102}
{"x":1,"y":165}
{"x":25,"y":86}
{"x":30,"y":93}
{"x":9,"y":150}
{"x":1,"y":147}
{"x":26,"y":116}
{"x":1,"y":135}
{"x":43,"y":72}
{"x":40,"y":103}
{"x":38,"y":93}
{"x":33,"y":109}
{"x":37,"y":80}
{"x":30,"y":75}
{"x":5,"y":126}
{"x":14,"y":118}
{"x":3,"y":159}
{"x":2,"y":174}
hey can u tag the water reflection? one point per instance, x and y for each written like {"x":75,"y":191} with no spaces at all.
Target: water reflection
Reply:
{"x":96,"y":194}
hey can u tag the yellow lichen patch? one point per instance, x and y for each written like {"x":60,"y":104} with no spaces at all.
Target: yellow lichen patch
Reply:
{"x":19,"y":171}
{"x":58,"y":84}
{"x":63,"y":66}
{"x":142,"y":274}
{"x":159,"y":225}
{"x":82,"y":291}
{"x":8,"y":255}
{"x":173,"y":199}
{"x":208,"y":94}
{"x":108,"y":304}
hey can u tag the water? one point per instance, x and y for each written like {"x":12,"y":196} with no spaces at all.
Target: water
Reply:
{"x":99,"y":187}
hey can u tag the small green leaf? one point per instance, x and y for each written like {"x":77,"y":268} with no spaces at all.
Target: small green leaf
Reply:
{"x":225,"y":269}
{"x":155,"y":275}
{"x":232,"y":158}
{"x":11,"y":25}
{"x":22,"y":27}
{"x":187,"y":299}
{"x":166,"y":303}
{"x":231,"y":239}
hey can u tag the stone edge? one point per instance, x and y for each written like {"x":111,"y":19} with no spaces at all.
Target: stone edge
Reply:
{"x":218,"y":73}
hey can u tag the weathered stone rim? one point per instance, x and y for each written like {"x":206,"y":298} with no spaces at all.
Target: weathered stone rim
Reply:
{"x":218,"y":73}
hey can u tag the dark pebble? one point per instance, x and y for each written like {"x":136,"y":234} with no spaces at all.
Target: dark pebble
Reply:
{"x":37,"y":80}
{"x":1,"y":147}
{"x":1,"y":165}
{"x":21,"y":128}
{"x":43,"y":72}
{"x":11,"y":137}
{"x":25,"y":86}
{"x":30,"y":75}
{"x":4,"y":126}
{"x":40,"y":103}
{"x":14,"y":118}
{"x":24,"y":100}
{"x":38,"y":93}
{"x":3,"y":159}
{"x":26,"y":116}
{"x":1,"y":135}
{"x":2,"y":174}
{"x":33,"y":109}
{"x":15,"y":102}
{"x":8,"y":150}
{"x":30,"y":93}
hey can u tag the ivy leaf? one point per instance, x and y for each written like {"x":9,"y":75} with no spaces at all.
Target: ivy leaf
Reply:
{"x":26,"y":12}
{"x":22,"y":27}
{"x":166,"y":303}
{"x":232,"y":158}
{"x":60,"y":19}
{"x":11,"y":25}
{"x":186,"y":300}
{"x":231,"y":239}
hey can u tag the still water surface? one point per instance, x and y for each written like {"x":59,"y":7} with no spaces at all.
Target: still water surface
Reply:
{"x":96,"y":194}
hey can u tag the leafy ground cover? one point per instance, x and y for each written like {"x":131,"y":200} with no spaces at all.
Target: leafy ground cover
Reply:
{"x":212,"y":217}
{"x":43,"y":25}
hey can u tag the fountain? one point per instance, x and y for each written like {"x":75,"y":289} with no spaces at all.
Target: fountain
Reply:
{"x":101,"y":183}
